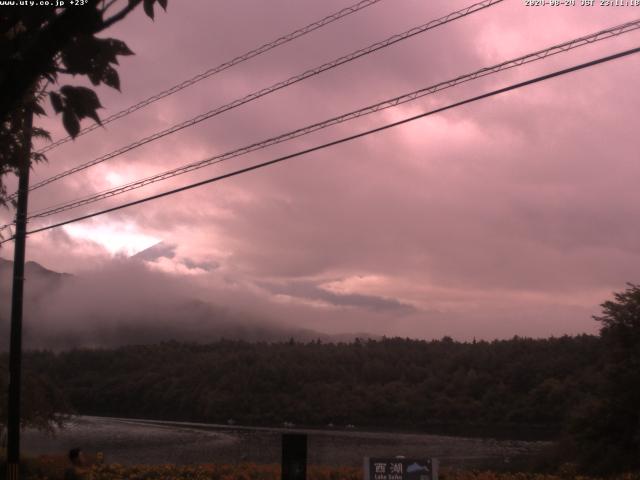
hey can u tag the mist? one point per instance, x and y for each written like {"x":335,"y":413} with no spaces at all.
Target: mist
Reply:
{"x":127,"y":302}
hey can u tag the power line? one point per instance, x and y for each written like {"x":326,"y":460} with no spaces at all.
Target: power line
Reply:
{"x":531,"y":57}
{"x":344,"y":139}
{"x":4,"y":227}
{"x":215,"y":70}
{"x":277,"y":86}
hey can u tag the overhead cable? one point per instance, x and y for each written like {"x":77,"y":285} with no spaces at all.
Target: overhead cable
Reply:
{"x":223,"y":66}
{"x":407,"y":97}
{"x":341,"y":140}
{"x":273,"y":88}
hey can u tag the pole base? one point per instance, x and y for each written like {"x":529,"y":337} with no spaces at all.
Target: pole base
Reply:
{"x":13,"y":471}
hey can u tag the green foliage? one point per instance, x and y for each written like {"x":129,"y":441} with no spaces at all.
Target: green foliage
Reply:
{"x":391,"y":383}
{"x":606,"y":430}
{"x":75,"y":103}
{"x":43,"y":404}
{"x":95,"y":57}
{"x":148,"y":6}
{"x":39,"y":44}
{"x":621,"y":322}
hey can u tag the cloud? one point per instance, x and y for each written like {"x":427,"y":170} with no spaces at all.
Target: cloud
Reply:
{"x":310,"y":291}
{"x":206,"y":266}
{"x":513,"y":215}
{"x":159,"y":250}
{"x":162,"y":256}
{"x":126,"y":302}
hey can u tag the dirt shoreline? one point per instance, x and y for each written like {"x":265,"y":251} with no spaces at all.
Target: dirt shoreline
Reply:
{"x":130,"y":441}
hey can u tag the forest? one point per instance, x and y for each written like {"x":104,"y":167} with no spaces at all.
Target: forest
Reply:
{"x":522,"y":386}
{"x":583,"y":391}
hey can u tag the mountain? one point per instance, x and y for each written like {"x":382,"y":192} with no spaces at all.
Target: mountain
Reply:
{"x":64,"y":311}
{"x":32,"y":269}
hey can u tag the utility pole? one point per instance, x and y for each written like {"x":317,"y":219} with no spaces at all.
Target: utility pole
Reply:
{"x":15,"y":346}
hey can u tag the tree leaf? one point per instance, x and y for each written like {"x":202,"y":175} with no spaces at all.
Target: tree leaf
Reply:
{"x":82,"y":101}
{"x":37,"y":109}
{"x":71,"y":123}
{"x":148,"y":8}
{"x":94,"y":77}
{"x":163,"y":4}
{"x":38,"y":132}
{"x":110,"y":77}
{"x":51,"y":76}
{"x":93,"y":57}
{"x":38,"y":157}
{"x":56,"y":102}
{"x":81,"y":97}
{"x":78,"y":56}
{"x":119,"y":47}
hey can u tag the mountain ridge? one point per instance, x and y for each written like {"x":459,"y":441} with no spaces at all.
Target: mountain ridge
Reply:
{"x":54,"y":319}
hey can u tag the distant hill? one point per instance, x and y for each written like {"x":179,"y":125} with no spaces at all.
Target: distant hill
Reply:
{"x":39,"y":281}
{"x":31,"y":269}
{"x":65,"y":311}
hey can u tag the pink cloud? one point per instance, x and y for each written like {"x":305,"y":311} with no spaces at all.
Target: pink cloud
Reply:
{"x":509,"y":216}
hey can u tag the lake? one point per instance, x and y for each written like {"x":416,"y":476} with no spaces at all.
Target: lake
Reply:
{"x":133,"y":441}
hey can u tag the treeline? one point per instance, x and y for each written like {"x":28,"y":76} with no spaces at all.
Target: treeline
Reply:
{"x":393,"y":383}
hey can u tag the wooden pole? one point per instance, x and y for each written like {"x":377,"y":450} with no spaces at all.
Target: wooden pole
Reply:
{"x":294,"y":456}
{"x":15,"y":346}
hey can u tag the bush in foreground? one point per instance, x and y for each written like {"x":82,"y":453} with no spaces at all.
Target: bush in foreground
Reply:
{"x":52,"y":468}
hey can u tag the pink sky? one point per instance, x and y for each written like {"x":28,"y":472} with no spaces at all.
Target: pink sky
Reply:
{"x":515,"y":215}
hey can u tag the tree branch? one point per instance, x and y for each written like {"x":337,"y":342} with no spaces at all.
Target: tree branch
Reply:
{"x":120,"y":15}
{"x":107,"y":6}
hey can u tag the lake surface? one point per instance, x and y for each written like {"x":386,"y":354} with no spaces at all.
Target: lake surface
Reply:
{"x":130,"y":441}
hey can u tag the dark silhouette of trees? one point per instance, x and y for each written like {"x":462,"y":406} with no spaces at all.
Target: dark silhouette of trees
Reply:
{"x":606,"y":429}
{"x":37,"y":45}
{"x":44,"y":406}
{"x":520,"y":386}
{"x":583,"y":386}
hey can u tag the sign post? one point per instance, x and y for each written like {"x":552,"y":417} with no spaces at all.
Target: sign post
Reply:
{"x":294,"y":456}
